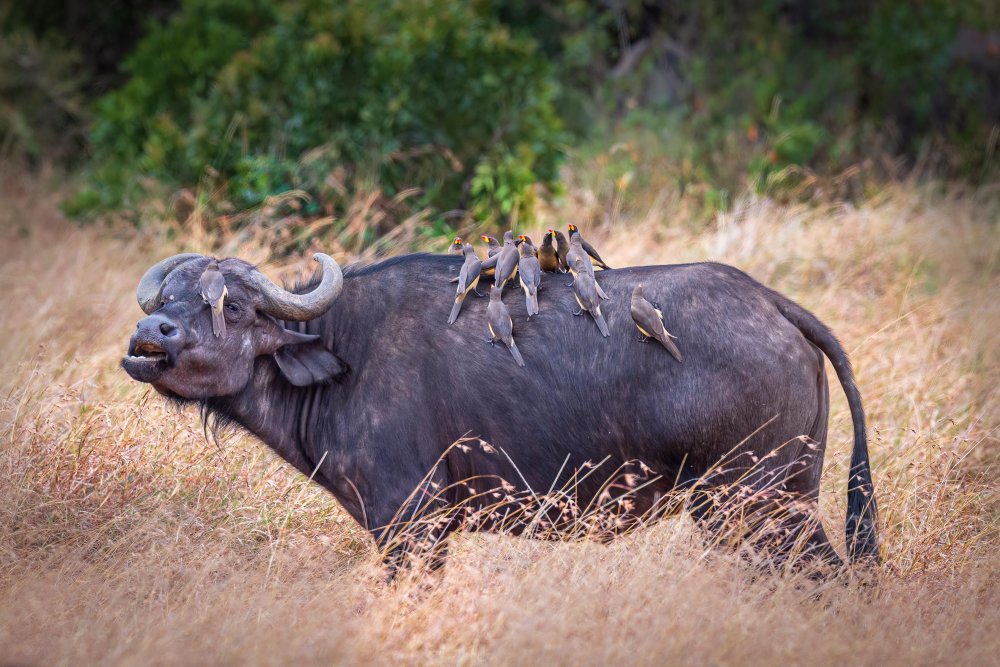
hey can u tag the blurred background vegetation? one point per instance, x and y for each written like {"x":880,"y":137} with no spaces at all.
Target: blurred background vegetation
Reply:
{"x":463,"y":113}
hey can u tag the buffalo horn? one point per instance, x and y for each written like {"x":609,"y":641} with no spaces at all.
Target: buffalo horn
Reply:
{"x":151,"y":286}
{"x":285,"y":305}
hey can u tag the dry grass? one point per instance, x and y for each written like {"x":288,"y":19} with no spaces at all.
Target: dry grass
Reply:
{"x":128,"y":538}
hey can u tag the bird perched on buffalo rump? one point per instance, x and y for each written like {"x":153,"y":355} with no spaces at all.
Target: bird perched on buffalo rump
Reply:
{"x":456,"y":247}
{"x":506,"y":260}
{"x":649,"y":320}
{"x":212,"y":286}
{"x":500,"y":325}
{"x":548,"y":257}
{"x":529,"y":273}
{"x":585,"y":290}
{"x":576,"y":252}
{"x":468,"y":278}
{"x":589,"y":249}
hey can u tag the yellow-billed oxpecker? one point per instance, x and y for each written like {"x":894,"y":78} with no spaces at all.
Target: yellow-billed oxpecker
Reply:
{"x":468,"y":278}
{"x":548,"y":258}
{"x":212,"y":286}
{"x":521,"y":238}
{"x":529,"y":272}
{"x":456,"y":247}
{"x":506,"y":260}
{"x":562,"y":250}
{"x":492,"y":247}
{"x":589,"y":249}
{"x":585,"y":290}
{"x":649,"y":321}
{"x":576,"y":252}
{"x":500,"y":325}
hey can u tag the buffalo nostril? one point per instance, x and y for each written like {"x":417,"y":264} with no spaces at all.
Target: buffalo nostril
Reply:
{"x":167,"y":329}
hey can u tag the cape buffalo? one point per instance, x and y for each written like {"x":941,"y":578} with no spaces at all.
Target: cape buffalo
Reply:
{"x":355,"y":378}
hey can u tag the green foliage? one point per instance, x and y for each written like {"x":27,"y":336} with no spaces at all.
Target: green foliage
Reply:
{"x":398,"y":93}
{"x":41,"y":104}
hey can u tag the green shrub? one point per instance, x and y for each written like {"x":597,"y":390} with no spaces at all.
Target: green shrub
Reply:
{"x":424,"y":93}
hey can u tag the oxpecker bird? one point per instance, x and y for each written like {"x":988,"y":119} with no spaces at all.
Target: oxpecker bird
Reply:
{"x":506,"y":264}
{"x":213,"y":290}
{"x":585,"y":290}
{"x":562,"y":250}
{"x":576,"y":252}
{"x":492,"y":247}
{"x":456,"y":247}
{"x":529,"y":273}
{"x":500,"y":325}
{"x":649,"y":320}
{"x":548,"y":258}
{"x":468,"y":278}
{"x":521,"y":238}
{"x":589,"y":249}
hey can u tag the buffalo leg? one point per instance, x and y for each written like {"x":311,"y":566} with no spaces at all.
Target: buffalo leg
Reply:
{"x":781,"y":527}
{"x":417,"y":534}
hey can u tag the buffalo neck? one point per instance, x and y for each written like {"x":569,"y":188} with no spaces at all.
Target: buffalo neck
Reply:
{"x":291,"y":420}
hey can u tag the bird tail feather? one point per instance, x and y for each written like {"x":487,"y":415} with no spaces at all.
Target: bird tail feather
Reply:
{"x":516,"y":354}
{"x":218,"y":323}
{"x":601,"y":323}
{"x":671,"y":347}
{"x":600,"y":291}
{"x":456,"y":308}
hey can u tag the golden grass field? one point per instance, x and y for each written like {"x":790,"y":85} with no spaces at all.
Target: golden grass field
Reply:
{"x":128,"y":537}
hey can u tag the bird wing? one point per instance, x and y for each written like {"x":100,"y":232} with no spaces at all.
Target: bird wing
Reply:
{"x":646,"y":317}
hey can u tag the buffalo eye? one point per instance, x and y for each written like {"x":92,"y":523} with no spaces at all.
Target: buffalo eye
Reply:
{"x":233,"y":308}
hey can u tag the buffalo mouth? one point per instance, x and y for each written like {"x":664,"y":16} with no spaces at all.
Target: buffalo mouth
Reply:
{"x":145,"y":361}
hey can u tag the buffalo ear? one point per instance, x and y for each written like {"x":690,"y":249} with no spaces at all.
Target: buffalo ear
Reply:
{"x":302,"y":358}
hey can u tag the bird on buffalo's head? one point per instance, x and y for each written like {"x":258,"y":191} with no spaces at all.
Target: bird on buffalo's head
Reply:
{"x":175,"y":349}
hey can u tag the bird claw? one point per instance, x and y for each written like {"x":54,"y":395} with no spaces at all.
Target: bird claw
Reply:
{"x":478,"y":293}
{"x":578,"y":313}
{"x":656,"y":304}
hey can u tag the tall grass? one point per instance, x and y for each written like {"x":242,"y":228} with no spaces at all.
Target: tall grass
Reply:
{"x":128,"y":537}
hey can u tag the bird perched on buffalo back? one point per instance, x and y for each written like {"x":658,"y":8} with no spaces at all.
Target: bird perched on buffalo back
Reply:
{"x":562,"y":250}
{"x":585,"y":290}
{"x":506,"y":265}
{"x":500,"y":325}
{"x":456,"y":246}
{"x":548,"y":257}
{"x":576,"y":252}
{"x":589,"y":249}
{"x":212,"y":286}
{"x":522,"y":239}
{"x":530,"y":274}
{"x":649,"y":321}
{"x":468,"y":278}
{"x":492,"y":247}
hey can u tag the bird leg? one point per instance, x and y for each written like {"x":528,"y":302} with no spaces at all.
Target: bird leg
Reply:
{"x":478,"y":293}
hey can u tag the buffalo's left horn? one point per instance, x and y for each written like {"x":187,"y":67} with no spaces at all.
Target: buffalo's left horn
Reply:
{"x":151,"y":286}
{"x":300,"y":307}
